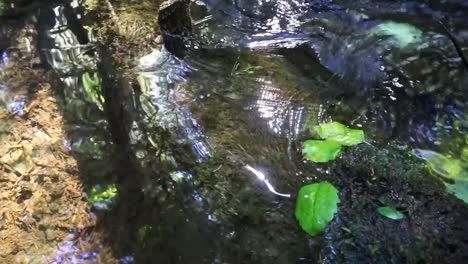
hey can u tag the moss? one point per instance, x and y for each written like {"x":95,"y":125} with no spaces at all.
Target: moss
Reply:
{"x":368,"y":178}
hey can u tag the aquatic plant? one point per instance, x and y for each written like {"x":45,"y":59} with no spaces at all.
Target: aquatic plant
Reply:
{"x":453,"y":171}
{"x":321,"y":150}
{"x":390,"y":213}
{"x":93,"y":88}
{"x":102,"y":197}
{"x":249,"y":69}
{"x":340,"y":133}
{"x":335,"y":135}
{"x":316,"y":206}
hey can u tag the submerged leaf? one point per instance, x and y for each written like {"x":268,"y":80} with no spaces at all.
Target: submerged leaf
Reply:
{"x":340,"y":133}
{"x":404,"y":34}
{"x":449,"y":169}
{"x":93,"y":88}
{"x":101,"y":197}
{"x":250,"y":70}
{"x":441,"y":165}
{"x":459,"y":189}
{"x":316,"y":205}
{"x":391,"y":213}
{"x":321,"y":150}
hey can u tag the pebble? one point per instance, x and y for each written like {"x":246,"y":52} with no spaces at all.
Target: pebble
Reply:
{"x":159,"y":39}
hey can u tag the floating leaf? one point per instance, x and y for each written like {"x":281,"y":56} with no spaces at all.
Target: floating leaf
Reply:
{"x":331,"y":129}
{"x":340,"y":133}
{"x":316,"y":205}
{"x":391,"y":213}
{"x":352,"y":137}
{"x":321,"y":150}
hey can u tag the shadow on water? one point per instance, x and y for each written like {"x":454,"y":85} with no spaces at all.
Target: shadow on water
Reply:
{"x":205,"y":150}
{"x":67,"y":51}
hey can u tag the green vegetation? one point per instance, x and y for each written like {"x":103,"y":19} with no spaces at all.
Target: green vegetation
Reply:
{"x":340,"y":133}
{"x":316,"y":206}
{"x":91,"y":4}
{"x":391,"y":213}
{"x":321,"y":150}
{"x":93,"y":88}
{"x":99,"y":195}
{"x":249,"y":70}
{"x":459,"y":188}
{"x":335,"y":135}
{"x":453,"y":171}
{"x":2,"y":7}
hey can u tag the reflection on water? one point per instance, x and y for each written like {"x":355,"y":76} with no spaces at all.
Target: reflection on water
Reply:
{"x":11,"y":98}
{"x":376,"y":69}
{"x":281,"y":116}
{"x":261,"y":176}
{"x":161,"y":72}
{"x":73,"y":64}
{"x":71,"y":61}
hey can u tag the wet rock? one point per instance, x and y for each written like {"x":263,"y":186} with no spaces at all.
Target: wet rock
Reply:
{"x":175,"y":25}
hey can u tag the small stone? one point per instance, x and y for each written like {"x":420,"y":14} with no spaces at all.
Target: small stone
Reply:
{"x":159,"y":39}
{"x":50,"y":234}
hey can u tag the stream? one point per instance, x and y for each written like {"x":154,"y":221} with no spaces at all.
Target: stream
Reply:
{"x":206,"y":151}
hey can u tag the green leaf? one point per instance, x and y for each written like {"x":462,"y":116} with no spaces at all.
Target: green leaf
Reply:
{"x":442,"y":165}
{"x":449,"y":169}
{"x":404,"y":34}
{"x":98,"y":194}
{"x":464,"y":155}
{"x":391,"y":213}
{"x":352,"y":137}
{"x":340,"y":133}
{"x":316,"y":205}
{"x":321,"y":150}
{"x":459,"y":189}
{"x":93,"y":88}
{"x":331,"y":129}
{"x":250,"y":70}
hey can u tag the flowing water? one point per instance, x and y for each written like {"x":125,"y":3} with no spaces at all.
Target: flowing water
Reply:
{"x":218,"y":132}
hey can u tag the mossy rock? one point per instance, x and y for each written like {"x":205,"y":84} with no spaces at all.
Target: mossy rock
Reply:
{"x":434,"y":226}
